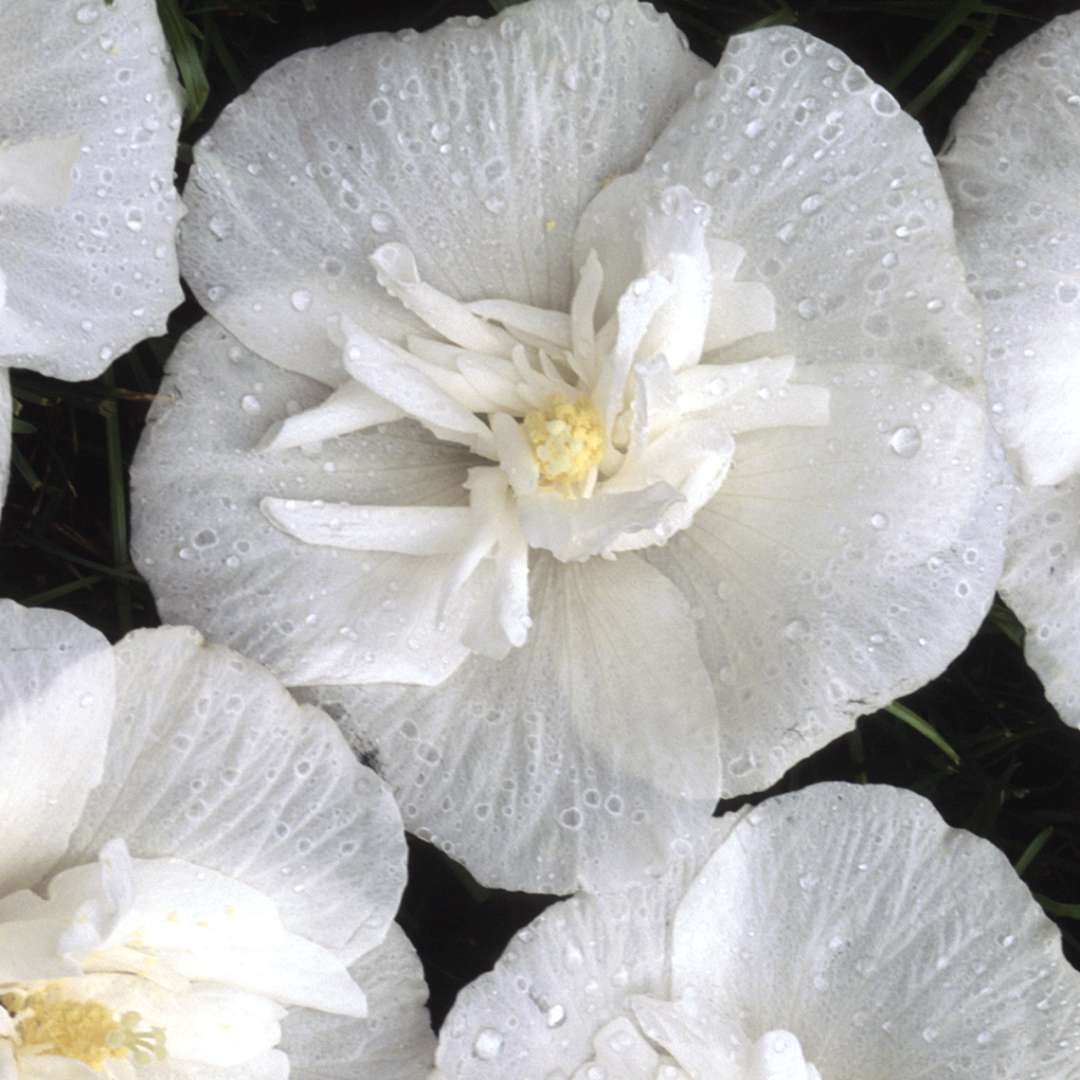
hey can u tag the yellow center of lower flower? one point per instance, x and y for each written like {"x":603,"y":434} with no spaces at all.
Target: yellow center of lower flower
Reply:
{"x":567,"y":439}
{"x":47,"y":1022}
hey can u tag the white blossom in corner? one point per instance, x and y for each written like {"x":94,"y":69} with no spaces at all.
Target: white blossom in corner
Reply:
{"x":197,"y":877}
{"x":585,"y":426}
{"x":89,"y":120}
{"x":841,"y":931}
{"x":1011,"y":166}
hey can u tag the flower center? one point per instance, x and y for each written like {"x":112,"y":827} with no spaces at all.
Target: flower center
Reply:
{"x":567,"y":439}
{"x":48,"y":1023}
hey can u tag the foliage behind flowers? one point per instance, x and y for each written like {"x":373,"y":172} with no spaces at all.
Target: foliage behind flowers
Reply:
{"x":980,"y":741}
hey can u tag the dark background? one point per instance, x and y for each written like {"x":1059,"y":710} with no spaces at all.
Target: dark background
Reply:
{"x":63,"y":535}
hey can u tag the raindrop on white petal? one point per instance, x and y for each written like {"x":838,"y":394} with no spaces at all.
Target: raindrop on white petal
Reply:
{"x":488,"y":1044}
{"x":905,"y":441}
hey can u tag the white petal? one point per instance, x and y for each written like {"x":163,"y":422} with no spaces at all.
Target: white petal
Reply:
{"x":636,"y":308}
{"x":673,"y":242}
{"x":738,"y":310}
{"x":57,"y":693}
{"x":516,"y":458}
{"x":29,"y":951}
{"x":273,"y":1065}
{"x":867,"y":920}
{"x":38,"y":172}
{"x":570,"y":973}
{"x":501,"y":619}
{"x":549,"y":326}
{"x":210,"y":1024}
{"x":1041,"y":584}
{"x":51,"y":1067}
{"x":215,"y":763}
{"x":214,"y":561}
{"x":692,"y":458}
{"x":574,"y":529}
{"x":564,"y":101}
{"x":396,"y":271}
{"x":839,"y":567}
{"x":757,"y":394}
{"x":387,"y":372}
{"x":823,"y":172}
{"x":1011,"y":171}
{"x":206,"y":926}
{"x":395,"y":1042}
{"x":583,"y":317}
{"x":408,"y":530}
{"x":583,"y":754}
{"x":352,"y":407}
{"x":89,"y":278}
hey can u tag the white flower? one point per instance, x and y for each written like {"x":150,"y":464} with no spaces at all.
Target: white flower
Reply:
{"x":1012,"y":171}
{"x":580,"y":492}
{"x":238,"y":919}
{"x":89,"y":116}
{"x":842,"y":931}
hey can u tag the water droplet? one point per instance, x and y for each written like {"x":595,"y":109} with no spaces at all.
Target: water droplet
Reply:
{"x":602,"y":12}
{"x":301,"y":299}
{"x":381,"y":223}
{"x":488,"y":1044}
{"x":250,"y":404}
{"x":219,"y":227}
{"x":905,"y":441}
{"x":555,"y":1016}
{"x":879,"y":521}
{"x":87,"y":14}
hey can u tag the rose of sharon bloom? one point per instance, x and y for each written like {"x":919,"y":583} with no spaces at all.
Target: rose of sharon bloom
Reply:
{"x":594,"y":423}
{"x":89,"y":116}
{"x":197,"y":877}
{"x":839,"y":932}
{"x":1012,"y":171}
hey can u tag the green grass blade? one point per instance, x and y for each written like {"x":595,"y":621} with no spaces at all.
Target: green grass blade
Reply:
{"x":938,"y":34}
{"x":117,"y":503}
{"x":951,"y":70}
{"x":1055,"y":907}
{"x":182,"y":37}
{"x":58,"y":592}
{"x":1031,"y":852}
{"x":925,"y":729}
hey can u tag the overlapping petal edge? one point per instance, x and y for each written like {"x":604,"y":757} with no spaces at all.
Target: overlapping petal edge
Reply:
{"x":196,"y":758}
{"x":1010,"y":167}
{"x":87,"y":241}
{"x":838,"y":931}
{"x":837,"y":566}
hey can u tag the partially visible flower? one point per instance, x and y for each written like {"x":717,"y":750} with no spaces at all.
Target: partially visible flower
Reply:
{"x":196,"y":875}
{"x":1012,"y":167}
{"x":596,"y":427}
{"x":89,"y":119}
{"x":842,"y":931}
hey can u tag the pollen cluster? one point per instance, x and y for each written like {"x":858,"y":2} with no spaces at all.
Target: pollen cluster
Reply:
{"x":567,"y":439}
{"x":47,"y":1022}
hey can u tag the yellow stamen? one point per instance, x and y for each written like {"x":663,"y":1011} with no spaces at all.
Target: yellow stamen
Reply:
{"x":47,"y":1022}
{"x":567,"y":439}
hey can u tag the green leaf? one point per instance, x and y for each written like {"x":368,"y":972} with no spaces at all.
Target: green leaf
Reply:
{"x":182,"y":36}
{"x":1055,"y":907}
{"x":925,"y":729}
{"x":1032,"y":850}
